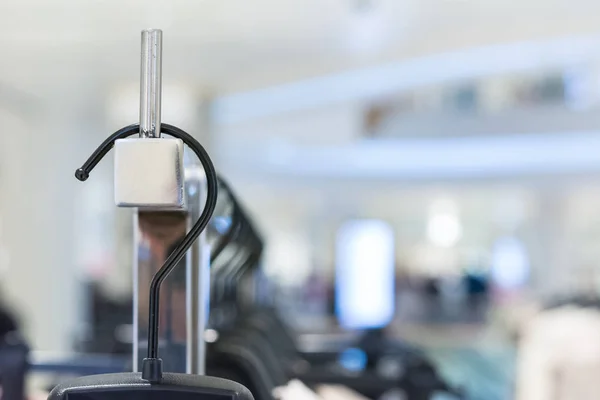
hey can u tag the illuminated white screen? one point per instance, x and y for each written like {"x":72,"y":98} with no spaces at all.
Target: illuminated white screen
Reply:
{"x":365,"y":274}
{"x":510,"y":263}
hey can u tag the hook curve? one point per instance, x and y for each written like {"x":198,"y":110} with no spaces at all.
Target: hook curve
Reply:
{"x":152,"y":368}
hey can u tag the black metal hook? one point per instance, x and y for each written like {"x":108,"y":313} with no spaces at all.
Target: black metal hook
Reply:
{"x":152,"y":365}
{"x":236,"y":217}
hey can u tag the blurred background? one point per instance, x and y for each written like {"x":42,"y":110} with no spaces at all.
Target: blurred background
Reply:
{"x":470,"y":128}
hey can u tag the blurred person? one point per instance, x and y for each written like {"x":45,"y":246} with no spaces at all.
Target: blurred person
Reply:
{"x":432,"y":287}
{"x":315,"y":293}
{"x":477,"y":291}
{"x":432,"y":300}
{"x":14,"y":354}
{"x":559,"y":355}
{"x":8,"y":322}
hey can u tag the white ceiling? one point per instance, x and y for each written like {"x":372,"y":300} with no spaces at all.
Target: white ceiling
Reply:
{"x":233,"y":45}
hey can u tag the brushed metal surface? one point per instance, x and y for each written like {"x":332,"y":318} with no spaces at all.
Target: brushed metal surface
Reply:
{"x":149,"y":173}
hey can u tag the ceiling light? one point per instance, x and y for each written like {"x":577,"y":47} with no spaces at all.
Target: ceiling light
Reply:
{"x":443,"y":227}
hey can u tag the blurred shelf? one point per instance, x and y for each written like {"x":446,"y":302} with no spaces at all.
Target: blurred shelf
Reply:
{"x":79,"y":364}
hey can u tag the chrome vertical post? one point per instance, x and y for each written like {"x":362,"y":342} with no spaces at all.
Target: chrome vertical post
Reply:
{"x":184,"y":294}
{"x":151,"y":83}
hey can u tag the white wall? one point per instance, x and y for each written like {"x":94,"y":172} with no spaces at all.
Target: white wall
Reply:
{"x":37,"y":161}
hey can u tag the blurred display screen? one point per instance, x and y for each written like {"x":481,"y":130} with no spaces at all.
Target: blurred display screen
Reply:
{"x":353,"y":359}
{"x":510,"y":263}
{"x":365,"y":274}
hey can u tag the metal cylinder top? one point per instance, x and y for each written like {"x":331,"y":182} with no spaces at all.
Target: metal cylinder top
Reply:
{"x":151,"y":83}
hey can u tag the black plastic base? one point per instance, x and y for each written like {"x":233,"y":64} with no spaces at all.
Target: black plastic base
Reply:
{"x":152,"y":370}
{"x":131,"y":386}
